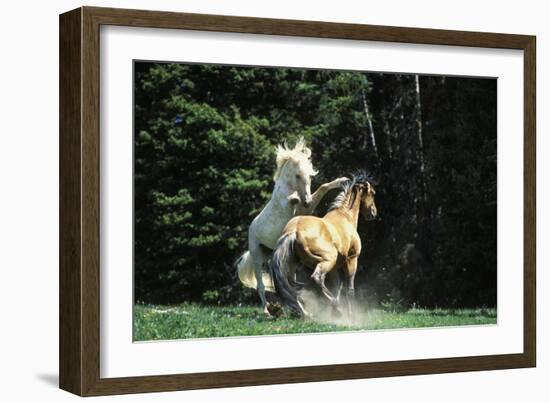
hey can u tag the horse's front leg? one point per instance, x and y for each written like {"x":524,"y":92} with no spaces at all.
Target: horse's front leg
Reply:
{"x":322,"y":190}
{"x":351,"y":269}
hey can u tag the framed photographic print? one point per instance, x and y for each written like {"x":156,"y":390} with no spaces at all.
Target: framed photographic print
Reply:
{"x":249,"y":201}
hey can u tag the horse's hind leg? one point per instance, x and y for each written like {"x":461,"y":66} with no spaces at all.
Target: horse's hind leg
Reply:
{"x":292,"y":269}
{"x":258,"y":260}
{"x":335,"y":283}
{"x":319,"y":275}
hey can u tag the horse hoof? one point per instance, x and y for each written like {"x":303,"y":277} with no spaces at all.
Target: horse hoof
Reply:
{"x":341,"y":181}
{"x":274,"y":310}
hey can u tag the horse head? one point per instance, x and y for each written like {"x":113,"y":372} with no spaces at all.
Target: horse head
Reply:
{"x":295,"y":169}
{"x":364,"y":182}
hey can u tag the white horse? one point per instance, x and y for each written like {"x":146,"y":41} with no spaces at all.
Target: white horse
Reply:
{"x":291,"y":196}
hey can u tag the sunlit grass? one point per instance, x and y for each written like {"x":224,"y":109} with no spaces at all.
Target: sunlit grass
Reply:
{"x":155,"y":322}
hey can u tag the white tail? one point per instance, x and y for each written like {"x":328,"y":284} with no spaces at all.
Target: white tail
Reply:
{"x":247,"y":275}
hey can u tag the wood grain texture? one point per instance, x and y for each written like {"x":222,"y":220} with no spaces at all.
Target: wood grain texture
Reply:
{"x":70,"y":274}
{"x":79,"y":200}
{"x":305,"y":374}
{"x":316,"y":29}
{"x":90,"y":201}
{"x":530,"y":202}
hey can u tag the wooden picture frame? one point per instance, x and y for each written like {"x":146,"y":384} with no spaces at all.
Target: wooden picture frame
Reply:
{"x":79,"y":346}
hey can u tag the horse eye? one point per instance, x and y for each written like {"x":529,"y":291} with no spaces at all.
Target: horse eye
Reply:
{"x":297,"y":176}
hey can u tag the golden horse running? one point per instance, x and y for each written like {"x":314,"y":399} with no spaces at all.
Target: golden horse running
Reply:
{"x":328,"y":246}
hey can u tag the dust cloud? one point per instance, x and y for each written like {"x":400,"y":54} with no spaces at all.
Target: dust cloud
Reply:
{"x":321,"y":311}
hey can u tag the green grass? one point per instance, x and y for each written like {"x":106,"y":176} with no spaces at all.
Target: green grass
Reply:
{"x":155,"y":322}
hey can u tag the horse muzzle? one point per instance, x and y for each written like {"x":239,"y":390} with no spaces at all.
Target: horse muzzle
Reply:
{"x":371,"y":215}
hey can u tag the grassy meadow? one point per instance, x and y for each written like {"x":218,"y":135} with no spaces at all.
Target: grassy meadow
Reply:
{"x":161,"y":322}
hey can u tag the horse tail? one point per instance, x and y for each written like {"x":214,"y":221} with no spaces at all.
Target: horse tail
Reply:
{"x":245,"y":270}
{"x":279,"y":271}
{"x":247,"y":274}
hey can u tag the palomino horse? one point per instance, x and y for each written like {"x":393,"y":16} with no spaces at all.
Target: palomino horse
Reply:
{"x":324,"y":245}
{"x":291,"y":196}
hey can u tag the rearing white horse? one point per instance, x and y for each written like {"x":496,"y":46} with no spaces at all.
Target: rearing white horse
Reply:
{"x":291,"y":196}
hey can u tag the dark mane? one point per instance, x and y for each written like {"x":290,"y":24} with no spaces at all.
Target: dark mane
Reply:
{"x":358,"y":178}
{"x":364,"y":177}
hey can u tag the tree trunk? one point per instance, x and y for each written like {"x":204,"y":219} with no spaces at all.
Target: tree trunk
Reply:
{"x":420,"y":136}
{"x":369,"y":122}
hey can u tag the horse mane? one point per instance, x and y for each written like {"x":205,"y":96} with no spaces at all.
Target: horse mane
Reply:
{"x":357,"y":178}
{"x":300,"y":154}
{"x":342,"y":196}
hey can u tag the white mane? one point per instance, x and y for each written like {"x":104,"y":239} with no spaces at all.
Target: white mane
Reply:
{"x":300,"y":154}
